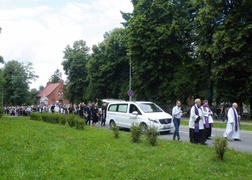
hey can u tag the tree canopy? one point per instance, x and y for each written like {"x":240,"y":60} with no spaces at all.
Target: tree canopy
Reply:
{"x":17,"y":78}
{"x":177,"y":49}
{"x":57,"y":75}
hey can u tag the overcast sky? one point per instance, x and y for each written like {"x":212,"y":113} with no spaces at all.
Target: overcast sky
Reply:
{"x":37,"y":31}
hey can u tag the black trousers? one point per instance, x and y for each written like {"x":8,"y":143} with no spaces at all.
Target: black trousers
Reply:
{"x":197,"y":137}
{"x":208,"y":131}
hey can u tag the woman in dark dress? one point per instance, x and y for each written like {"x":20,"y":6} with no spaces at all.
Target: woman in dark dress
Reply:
{"x":95,"y":114}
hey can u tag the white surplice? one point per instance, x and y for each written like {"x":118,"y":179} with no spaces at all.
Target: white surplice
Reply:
{"x":231,"y":123}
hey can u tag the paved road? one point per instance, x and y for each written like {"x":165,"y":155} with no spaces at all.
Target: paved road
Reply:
{"x":245,"y":145}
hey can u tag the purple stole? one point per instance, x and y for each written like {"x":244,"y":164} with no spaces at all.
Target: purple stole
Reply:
{"x":196,"y":124}
{"x":236,"y":120}
{"x":206,"y":118}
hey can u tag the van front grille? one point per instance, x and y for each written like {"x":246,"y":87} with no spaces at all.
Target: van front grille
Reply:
{"x":165,"y":121}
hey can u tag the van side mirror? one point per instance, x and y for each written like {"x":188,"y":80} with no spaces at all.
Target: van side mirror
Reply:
{"x":135,"y":113}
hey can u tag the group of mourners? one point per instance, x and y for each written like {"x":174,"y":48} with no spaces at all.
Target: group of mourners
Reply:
{"x":201,"y":122}
{"x":90,"y":112}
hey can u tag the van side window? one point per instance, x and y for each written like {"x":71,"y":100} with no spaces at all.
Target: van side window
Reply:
{"x":134,"y":108}
{"x":122,"y":108}
{"x":112,"y":107}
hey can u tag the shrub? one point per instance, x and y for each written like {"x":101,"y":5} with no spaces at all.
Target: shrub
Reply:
{"x":35,"y":116}
{"x":115,"y":130}
{"x":63,"y":120}
{"x":71,"y":120}
{"x":136,"y":132}
{"x":56,"y":118}
{"x":79,"y":123}
{"x":220,"y":146}
{"x":152,"y":135}
{"x":45,"y":117}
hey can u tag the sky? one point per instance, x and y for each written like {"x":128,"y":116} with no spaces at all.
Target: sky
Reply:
{"x":38,"y":31}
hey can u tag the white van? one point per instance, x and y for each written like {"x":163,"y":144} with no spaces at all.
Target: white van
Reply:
{"x":146,"y":114}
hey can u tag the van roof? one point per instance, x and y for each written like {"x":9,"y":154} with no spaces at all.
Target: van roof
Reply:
{"x":112,"y":100}
{"x":138,"y":102}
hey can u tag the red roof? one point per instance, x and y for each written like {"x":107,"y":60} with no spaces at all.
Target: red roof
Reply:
{"x":48,"y":90}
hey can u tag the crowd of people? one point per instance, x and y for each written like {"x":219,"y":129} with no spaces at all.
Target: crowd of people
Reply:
{"x":201,"y":121}
{"x":91,"y":112}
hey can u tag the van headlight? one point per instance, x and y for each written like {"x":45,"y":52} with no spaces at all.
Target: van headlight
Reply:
{"x":153,"y":120}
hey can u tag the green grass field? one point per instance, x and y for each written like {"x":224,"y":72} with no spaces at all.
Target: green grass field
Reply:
{"x":38,"y":150}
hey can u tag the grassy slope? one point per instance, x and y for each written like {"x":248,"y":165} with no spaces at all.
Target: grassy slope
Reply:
{"x":37,"y":150}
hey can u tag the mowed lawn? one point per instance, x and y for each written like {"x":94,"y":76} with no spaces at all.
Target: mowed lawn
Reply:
{"x":38,"y":150}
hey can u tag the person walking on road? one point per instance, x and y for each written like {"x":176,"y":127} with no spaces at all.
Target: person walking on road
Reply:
{"x":233,"y":124}
{"x":207,"y":119}
{"x":176,"y":113}
{"x":196,"y":127}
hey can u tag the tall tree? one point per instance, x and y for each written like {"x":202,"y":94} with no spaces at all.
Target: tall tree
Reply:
{"x":74,"y":66}
{"x":108,"y":67}
{"x":225,"y":35}
{"x":17,"y":78}
{"x":31,"y":100}
{"x":57,"y":75}
{"x":159,"y":41}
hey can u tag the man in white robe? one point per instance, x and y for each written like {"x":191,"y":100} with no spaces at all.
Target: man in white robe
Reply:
{"x":196,"y":127}
{"x":207,"y":119}
{"x":233,"y":124}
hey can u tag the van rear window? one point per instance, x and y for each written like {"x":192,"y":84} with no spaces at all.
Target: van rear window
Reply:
{"x":118,"y":108}
{"x":122,"y":108}
{"x":112,"y":107}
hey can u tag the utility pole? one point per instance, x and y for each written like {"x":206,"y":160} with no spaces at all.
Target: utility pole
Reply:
{"x":129,"y":54}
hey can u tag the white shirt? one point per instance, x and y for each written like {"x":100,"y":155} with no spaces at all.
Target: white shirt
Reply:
{"x":176,"y":112}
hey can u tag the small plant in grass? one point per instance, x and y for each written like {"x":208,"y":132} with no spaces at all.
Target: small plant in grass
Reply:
{"x":220,"y":146}
{"x":152,"y":135}
{"x":115,"y":130}
{"x":136,"y":132}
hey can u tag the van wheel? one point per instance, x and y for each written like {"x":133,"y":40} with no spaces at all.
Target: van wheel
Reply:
{"x":111,"y":124}
{"x":144,"y":127}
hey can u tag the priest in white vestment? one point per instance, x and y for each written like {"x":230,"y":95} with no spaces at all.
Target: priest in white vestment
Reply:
{"x":233,"y":124}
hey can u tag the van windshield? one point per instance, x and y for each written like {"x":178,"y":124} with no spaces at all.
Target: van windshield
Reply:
{"x":149,"y":107}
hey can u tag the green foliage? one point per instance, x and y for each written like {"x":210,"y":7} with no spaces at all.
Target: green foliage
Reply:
{"x":159,"y":41}
{"x":74,"y":65}
{"x":56,"y":76}
{"x":62,"y":120}
{"x":47,"y":117}
{"x":220,"y":146}
{"x":73,"y":121}
{"x":79,"y":123}
{"x":136,"y":132}
{"x":109,"y":63}
{"x":152,"y":135}
{"x":37,"y":150}
{"x":224,"y":47}
{"x":116,"y":131}
{"x":17,"y":78}
{"x":35,"y":116}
